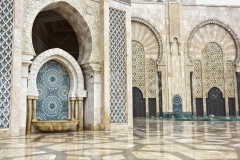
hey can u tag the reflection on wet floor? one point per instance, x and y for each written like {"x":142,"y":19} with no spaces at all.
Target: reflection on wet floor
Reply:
{"x":149,"y":139}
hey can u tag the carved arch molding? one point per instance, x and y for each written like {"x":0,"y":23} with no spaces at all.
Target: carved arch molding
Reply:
{"x":203,"y":33}
{"x":84,"y":18}
{"x":145,"y":40}
{"x":69,"y":63}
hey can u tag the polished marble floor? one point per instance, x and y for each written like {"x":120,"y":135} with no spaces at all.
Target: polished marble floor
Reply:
{"x":150,"y":139}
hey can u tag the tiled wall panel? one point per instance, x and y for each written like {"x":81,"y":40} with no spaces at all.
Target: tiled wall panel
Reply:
{"x":6,"y":31}
{"x":117,"y":66}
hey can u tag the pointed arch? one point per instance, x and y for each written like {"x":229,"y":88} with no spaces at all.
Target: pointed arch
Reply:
{"x":83,"y":24}
{"x":156,"y":35}
{"x":66,"y":60}
{"x":197,"y":41}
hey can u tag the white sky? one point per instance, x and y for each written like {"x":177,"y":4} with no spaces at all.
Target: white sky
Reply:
{"x":219,"y":2}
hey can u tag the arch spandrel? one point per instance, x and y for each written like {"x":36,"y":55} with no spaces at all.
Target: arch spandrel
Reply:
{"x":84,"y":15}
{"x":70,"y":64}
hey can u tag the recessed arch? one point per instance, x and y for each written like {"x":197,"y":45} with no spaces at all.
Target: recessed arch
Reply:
{"x":76,"y":15}
{"x":150,"y":41}
{"x":197,"y":41}
{"x":67,"y":61}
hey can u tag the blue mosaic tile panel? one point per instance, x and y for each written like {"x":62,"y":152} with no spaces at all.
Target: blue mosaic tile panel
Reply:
{"x":53,"y":85}
{"x":177,"y":104}
{"x":126,"y":1}
{"x":117,"y":66}
{"x":6,"y":31}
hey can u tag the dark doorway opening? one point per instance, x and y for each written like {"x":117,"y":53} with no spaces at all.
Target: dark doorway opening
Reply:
{"x":199,"y":107}
{"x":139,"y":109}
{"x":231,"y":105}
{"x":215,"y":102}
{"x":152,"y":107}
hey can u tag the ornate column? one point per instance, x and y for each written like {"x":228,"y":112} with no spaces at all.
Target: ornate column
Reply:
{"x":193,"y":107}
{"x":29,"y":115}
{"x":34,"y":99}
{"x":72,"y":100}
{"x":80,"y":118}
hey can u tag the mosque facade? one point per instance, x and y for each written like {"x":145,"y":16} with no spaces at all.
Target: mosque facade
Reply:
{"x":96,"y":64}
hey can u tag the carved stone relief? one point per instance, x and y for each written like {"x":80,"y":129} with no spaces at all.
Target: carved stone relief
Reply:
{"x":174,"y":20}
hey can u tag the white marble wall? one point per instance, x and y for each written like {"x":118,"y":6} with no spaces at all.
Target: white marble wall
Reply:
{"x":97,"y":105}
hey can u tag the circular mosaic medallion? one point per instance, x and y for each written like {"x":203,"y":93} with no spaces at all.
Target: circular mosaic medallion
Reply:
{"x":52,"y":106}
{"x":177,"y":99}
{"x":52,"y":78}
{"x":53,"y":85}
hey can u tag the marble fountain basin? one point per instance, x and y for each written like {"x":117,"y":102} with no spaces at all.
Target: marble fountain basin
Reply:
{"x":55,"y":125}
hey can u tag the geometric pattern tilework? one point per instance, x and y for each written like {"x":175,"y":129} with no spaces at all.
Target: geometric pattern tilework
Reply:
{"x":177,"y":104}
{"x":53,"y":85}
{"x":152,"y":72}
{"x":230,"y":79}
{"x":198,"y":79}
{"x":174,"y":20}
{"x":181,"y":140}
{"x":117,"y":66}
{"x":213,"y":66}
{"x":138,"y":66}
{"x":211,"y":140}
{"x":6,"y":22}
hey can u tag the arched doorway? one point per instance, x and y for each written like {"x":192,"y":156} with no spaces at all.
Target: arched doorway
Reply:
{"x":52,"y":30}
{"x":215,"y":102}
{"x":139,"y":109}
{"x":53,"y":86}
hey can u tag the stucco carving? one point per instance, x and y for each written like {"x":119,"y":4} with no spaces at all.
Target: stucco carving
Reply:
{"x":151,"y":78}
{"x":197,"y":79}
{"x":156,"y":33}
{"x":138,"y":66}
{"x":212,"y":25}
{"x":174,"y":21}
{"x":230,"y":79}
{"x":84,"y":24}
{"x":70,"y":64}
{"x":213,"y":67}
